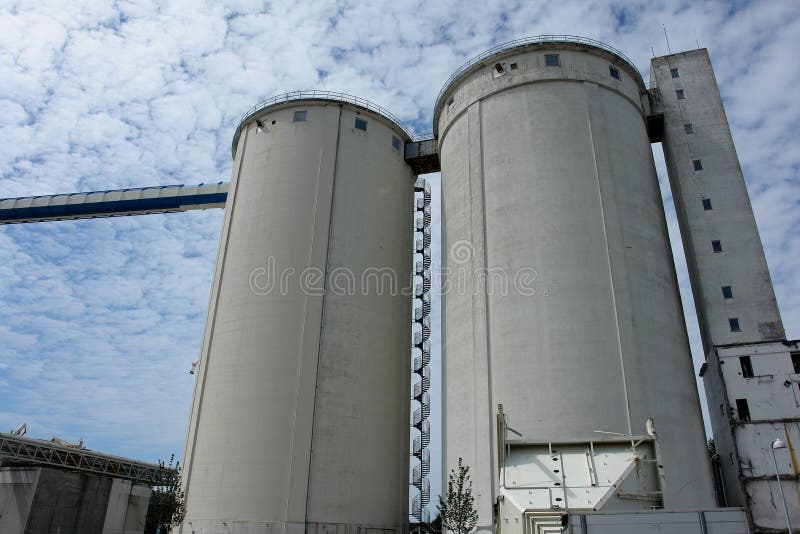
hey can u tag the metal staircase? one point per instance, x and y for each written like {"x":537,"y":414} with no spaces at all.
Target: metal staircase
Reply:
{"x":422,"y":352}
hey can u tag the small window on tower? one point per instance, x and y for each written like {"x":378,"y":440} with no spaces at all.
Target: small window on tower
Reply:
{"x":674,"y":73}
{"x":742,"y":409}
{"x":688,"y":128}
{"x":361,"y":124}
{"x":747,"y":366}
{"x":300,"y":116}
{"x":707,"y":204}
{"x":514,"y":66}
{"x":614,"y":72}
{"x":716,"y":245}
{"x":796,"y":361}
{"x":698,"y":164}
{"x":680,"y":94}
{"x":552,"y":60}
{"x":727,"y":292}
{"x":734,"y":323}
{"x":395,"y":143}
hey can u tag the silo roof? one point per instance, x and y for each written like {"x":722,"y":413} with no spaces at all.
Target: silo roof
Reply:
{"x":517,"y":45}
{"x":323,"y":96}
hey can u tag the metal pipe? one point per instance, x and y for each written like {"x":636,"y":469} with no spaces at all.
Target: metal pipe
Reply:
{"x":781,"y":445}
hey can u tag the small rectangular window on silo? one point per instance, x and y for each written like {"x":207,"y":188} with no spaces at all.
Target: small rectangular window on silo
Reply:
{"x":300,"y":116}
{"x":614,"y":72}
{"x":734,"y":324}
{"x":499,"y":70}
{"x":707,"y":204}
{"x":361,"y":124}
{"x":674,"y":73}
{"x":552,"y":60}
{"x":688,"y":128}
{"x":395,"y":143}
{"x":716,"y":245}
{"x":680,"y":94}
{"x":698,"y":164}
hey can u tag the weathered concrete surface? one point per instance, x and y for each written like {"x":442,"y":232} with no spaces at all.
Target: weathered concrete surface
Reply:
{"x":45,"y":501}
{"x":17,"y":488}
{"x":126,"y":511}
{"x":741,"y":263}
{"x":301,"y":408}
{"x":548,"y":181}
{"x":744,"y":441}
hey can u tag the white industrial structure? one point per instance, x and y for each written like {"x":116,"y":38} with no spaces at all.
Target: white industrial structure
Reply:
{"x":751,"y":373}
{"x":546,"y":165}
{"x":568,"y":380}
{"x":301,"y":405}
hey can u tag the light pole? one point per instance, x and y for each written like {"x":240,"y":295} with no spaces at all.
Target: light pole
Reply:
{"x":779,"y":444}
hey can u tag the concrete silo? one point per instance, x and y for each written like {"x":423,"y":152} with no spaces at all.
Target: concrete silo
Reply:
{"x":301,"y":409}
{"x":568,"y":380}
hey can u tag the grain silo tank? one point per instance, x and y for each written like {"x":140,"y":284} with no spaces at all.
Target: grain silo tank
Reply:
{"x":548,"y":184}
{"x":301,"y":408}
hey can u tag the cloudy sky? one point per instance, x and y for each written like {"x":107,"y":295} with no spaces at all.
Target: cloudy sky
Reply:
{"x":101,"y":319}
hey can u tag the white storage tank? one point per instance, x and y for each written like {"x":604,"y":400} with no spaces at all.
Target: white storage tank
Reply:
{"x":301,"y":408}
{"x":548,"y":183}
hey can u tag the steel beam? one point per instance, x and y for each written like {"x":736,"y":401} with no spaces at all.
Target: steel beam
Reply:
{"x":18,"y":450}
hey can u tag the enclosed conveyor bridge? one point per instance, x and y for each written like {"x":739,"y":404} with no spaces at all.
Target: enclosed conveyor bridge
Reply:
{"x":113,"y":203}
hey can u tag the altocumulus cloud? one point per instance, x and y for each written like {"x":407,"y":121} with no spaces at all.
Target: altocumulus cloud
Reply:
{"x":100,"y":320}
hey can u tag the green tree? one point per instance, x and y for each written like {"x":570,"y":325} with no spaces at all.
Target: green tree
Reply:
{"x":457,"y":510}
{"x":166,"y":508}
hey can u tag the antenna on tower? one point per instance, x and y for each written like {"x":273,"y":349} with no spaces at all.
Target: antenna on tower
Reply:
{"x":696,"y":40}
{"x":666,"y":38}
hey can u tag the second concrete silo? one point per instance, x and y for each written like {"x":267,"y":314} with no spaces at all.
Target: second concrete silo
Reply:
{"x":564,"y":345}
{"x":301,"y":409}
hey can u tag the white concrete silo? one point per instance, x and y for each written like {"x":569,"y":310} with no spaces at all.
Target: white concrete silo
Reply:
{"x":301,"y":408}
{"x":548,"y":180}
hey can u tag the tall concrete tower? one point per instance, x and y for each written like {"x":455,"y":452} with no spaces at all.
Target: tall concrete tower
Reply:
{"x":751,"y":374}
{"x":730,"y":280}
{"x":301,"y":408}
{"x":568,"y":380}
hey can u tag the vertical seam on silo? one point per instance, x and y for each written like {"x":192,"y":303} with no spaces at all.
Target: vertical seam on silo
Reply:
{"x":608,"y":260}
{"x":486,"y":298}
{"x":322,"y":312}
{"x":476,"y":389}
{"x":213,"y":322}
{"x":303,"y":330}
